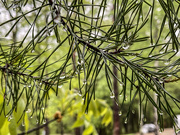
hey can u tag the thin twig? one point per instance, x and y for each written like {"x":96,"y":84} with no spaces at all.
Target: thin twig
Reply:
{"x":37,"y":128}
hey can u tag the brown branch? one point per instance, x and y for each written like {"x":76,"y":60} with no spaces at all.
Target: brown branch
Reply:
{"x":171,"y":80}
{"x":57,"y":116}
{"x":37,"y":128}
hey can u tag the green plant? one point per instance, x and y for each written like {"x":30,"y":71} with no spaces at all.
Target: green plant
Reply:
{"x":90,"y":43}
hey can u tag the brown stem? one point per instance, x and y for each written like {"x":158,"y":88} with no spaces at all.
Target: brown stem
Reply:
{"x":116,"y":128}
{"x":37,"y":128}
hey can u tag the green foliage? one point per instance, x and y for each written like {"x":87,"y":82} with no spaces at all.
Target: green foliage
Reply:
{"x":5,"y":128}
{"x":89,"y":130}
{"x":13,"y":127}
{"x":87,"y":44}
{"x":9,"y":122}
{"x":73,"y":109}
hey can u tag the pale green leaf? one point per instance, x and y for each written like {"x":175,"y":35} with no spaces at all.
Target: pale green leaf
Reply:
{"x":104,"y":110}
{"x":5,"y":128}
{"x":88,"y":130}
{"x":2,"y":117}
{"x":13,"y":127}
{"x":107,"y":119}
{"x":78,"y":123}
{"x":26,"y":122}
{"x":19,"y":112}
{"x":94,"y":108}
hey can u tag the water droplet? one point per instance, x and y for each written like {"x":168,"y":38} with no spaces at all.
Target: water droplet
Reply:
{"x":86,"y":112}
{"x":160,"y":112}
{"x":23,"y":124}
{"x":62,"y":77}
{"x":84,"y":82}
{"x":29,"y":86}
{"x":167,"y":62}
{"x":32,"y":51}
{"x":48,"y":33}
{"x":95,"y":19}
{"x":28,"y":111}
{"x":25,"y":85}
{"x":161,"y":52}
{"x":151,"y":44}
{"x":64,"y":29}
{"x":76,"y":72}
{"x":126,"y":98}
{"x":60,"y":86}
{"x":125,"y":47}
{"x":175,"y":50}
{"x":171,"y":67}
{"x":42,"y":108}
{"x":79,"y":94}
{"x":44,"y":121}
{"x":10,"y":118}
{"x":57,"y":20}
{"x":80,"y":62}
{"x":112,"y":95}
{"x":31,"y":117}
{"x":158,"y":9}
{"x":161,"y":130}
{"x":156,"y":94}
{"x":120,"y":113}
{"x":150,"y":56}
{"x":169,"y":75}
{"x":126,"y":121}
{"x":37,"y":122}
{"x":161,"y":81}
{"x":133,"y":111}
{"x":16,"y":7}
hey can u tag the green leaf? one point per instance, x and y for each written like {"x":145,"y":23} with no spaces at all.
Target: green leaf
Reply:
{"x":78,"y":123}
{"x":102,"y":102}
{"x":5,"y":128}
{"x":20,"y":110}
{"x":26,"y":122}
{"x":1,"y":98}
{"x":107,"y":118}
{"x":93,"y":106}
{"x":103,"y":111}
{"x":13,"y":127}
{"x":2,"y":117}
{"x":7,"y":109}
{"x":88,"y":130}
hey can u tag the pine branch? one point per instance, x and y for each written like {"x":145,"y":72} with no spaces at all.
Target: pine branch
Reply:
{"x":95,"y":49}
